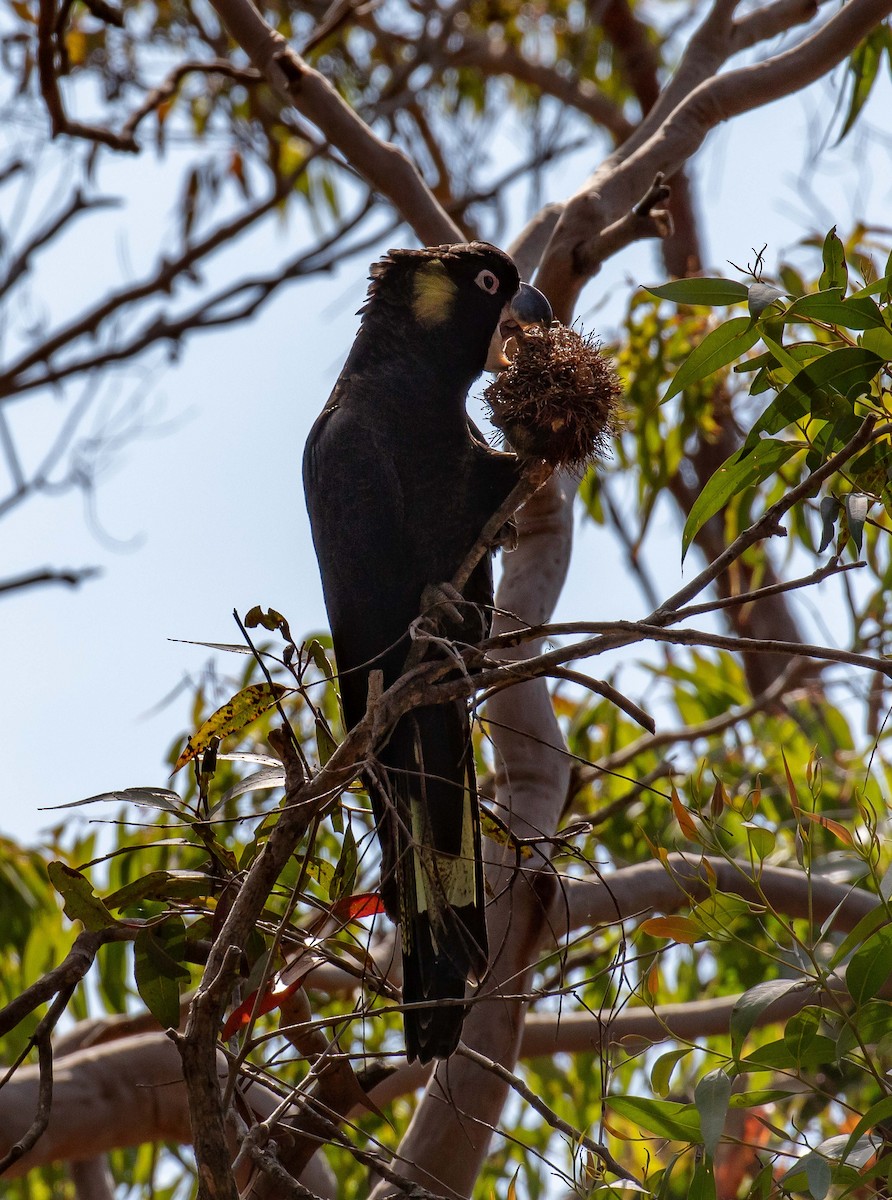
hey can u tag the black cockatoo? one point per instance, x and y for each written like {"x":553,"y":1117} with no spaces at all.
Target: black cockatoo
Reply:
{"x":399,"y":485}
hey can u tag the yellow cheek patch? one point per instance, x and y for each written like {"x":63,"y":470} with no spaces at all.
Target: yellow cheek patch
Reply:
{"x":433,"y":295}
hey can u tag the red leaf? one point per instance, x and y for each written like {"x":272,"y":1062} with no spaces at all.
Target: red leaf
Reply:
{"x":285,"y":984}
{"x":363,"y":904}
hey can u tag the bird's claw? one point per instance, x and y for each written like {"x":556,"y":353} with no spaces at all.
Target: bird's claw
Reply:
{"x":440,"y":604}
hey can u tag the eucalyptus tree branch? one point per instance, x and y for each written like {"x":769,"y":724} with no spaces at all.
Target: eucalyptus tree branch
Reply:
{"x":65,"y":976}
{"x":385,"y":167}
{"x":584,"y":1032}
{"x":576,"y":250}
{"x":494,"y":56}
{"x":834,"y":567}
{"x":41,"y":1039}
{"x":49,"y":47}
{"x":644,"y":888}
{"x":771,"y":21}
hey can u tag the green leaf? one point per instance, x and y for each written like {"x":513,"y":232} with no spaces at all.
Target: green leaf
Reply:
{"x":711,"y":1096}
{"x":801,"y":1031}
{"x":708,"y":291}
{"x":879,"y":341}
{"x":702,"y":1185}
{"x":776,"y":1056}
{"x":316,"y":651}
{"x":663,"y":1118}
{"x":830,"y":509}
{"x":870,"y":966}
{"x":158,"y":973}
{"x":731,"y":478}
{"x":162,"y":885}
{"x":762,"y":840}
{"x":846,"y":372}
{"x":753,"y":1003}
{"x":835,"y":273}
{"x":80,"y":902}
{"x":877,"y":1114}
{"x":817,"y":1174}
{"x":325,"y":743}
{"x":730,"y":340}
{"x":760,"y":1097}
{"x":829,"y":307}
{"x":867,"y":1026}
{"x":863,"y":65}
{"x":344,"y":879}
{"x":662,"y":1070}
{"x":869,"y":922}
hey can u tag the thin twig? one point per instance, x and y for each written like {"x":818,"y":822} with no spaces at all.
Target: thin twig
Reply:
{"x":692,"y":733}
{"x":602,"y":688}
{"x":36,"y":578}
{"x":577,"y":1137}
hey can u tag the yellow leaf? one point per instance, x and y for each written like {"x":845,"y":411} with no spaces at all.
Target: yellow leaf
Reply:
{"x":76,"y":46}
{"x":497,"y":831}
{"x":678,"y":929}
{"x":684,"y":819}
{"x":512,"y":1186}
{"x":245,"y":707}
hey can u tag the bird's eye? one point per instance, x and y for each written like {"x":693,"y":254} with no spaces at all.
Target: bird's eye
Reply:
{"x":488,"y":281}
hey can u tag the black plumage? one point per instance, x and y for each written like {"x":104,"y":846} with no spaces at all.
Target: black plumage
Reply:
{"x":399,"y":486}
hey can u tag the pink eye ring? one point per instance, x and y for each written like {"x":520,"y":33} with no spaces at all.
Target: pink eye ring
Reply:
{"x":488,"y":281}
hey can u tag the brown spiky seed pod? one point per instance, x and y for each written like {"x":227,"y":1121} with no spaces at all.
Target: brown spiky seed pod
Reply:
{"x":557,"y":397}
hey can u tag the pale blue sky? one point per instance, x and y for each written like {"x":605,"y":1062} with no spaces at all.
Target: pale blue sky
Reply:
{"x":213,"y":507}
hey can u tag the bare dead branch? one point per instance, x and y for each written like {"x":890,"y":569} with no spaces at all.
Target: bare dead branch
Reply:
{"x":382,"y":165}
{"x":105,"y":12}
{"x":41,"y":1039}
{"x":77,"y":204}
{"x":48,"y":39}
{"x":16,"y":379}
{"x":38,"y":578}
{"x":168,"y":88}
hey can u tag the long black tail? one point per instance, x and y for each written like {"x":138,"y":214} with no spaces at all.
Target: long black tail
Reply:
{"x":432,"y":875}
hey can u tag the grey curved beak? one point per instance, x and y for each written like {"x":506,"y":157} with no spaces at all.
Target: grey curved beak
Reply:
{"x":530,"y":307}
{"x":527,"y":307}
